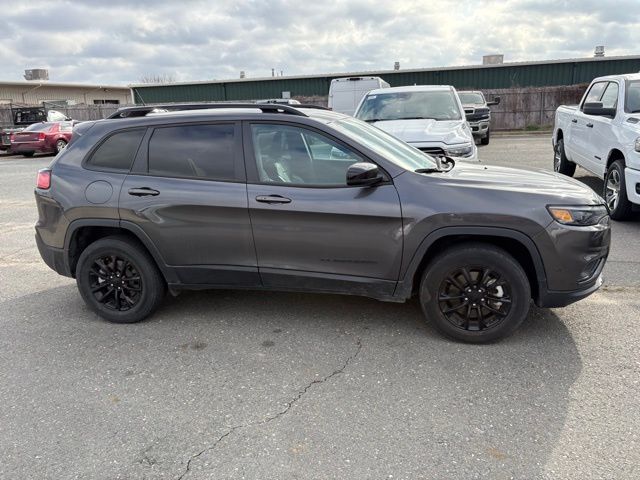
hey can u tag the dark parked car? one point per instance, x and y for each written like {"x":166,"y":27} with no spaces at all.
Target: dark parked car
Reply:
{"x":280,"y":198}
{"x":44,"y":137}
{"x":478,"y":114}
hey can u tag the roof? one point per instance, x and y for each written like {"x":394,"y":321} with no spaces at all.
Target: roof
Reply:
{"x":411,"y":88}
{"x":375,"y":73}
{"x":625,"y":76}
{"x":29,"y":84}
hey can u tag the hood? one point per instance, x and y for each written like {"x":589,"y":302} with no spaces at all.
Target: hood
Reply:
{"x":427,"y":130}
{"x":558,"y":188}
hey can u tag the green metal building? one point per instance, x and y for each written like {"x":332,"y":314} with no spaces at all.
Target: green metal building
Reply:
{"x":504,"y":75}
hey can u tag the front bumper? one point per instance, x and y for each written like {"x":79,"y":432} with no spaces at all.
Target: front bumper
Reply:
{"x":573,"y":259}
{"x":479,"y":128}
{"x":632,"y":182}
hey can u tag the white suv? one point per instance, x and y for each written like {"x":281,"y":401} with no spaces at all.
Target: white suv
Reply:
{"x":428,"y":117}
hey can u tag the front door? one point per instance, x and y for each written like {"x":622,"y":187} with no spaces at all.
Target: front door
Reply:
{"x":187,"y":191}
{"x":311,"y":230}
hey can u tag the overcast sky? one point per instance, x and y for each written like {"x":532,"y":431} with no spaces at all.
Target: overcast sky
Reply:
{"x":117,"y":41}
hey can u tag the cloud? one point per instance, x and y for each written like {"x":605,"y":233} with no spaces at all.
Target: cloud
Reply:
{"x":120,"y":41}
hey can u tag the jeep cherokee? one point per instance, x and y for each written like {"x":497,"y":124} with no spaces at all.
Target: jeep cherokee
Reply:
{"x":277,"y":197}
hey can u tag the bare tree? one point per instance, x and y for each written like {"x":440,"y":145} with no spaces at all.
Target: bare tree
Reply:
{"x":158,"y":78}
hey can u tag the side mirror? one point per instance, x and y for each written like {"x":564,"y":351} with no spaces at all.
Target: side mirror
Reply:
{"x":496,"y":101}
{"x":363,"y":174}
{"x":596,"y":108}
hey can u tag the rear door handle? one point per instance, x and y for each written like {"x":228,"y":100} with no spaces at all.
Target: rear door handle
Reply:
{"x":143,"y":192}
{"x":272,"y":199}
{"x":589,"y":125}
{"x":574,"y":121}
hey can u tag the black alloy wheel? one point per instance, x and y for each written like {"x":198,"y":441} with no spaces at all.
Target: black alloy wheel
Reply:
{"x":474,"y":298}
{"x":115,"y":282}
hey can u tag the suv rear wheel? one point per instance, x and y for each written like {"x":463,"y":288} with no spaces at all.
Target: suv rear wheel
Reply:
{"x":119,"y":280}
{"x":475,"y":293}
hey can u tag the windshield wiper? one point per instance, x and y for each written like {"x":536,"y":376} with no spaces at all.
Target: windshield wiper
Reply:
{"x":429,"y":170}
{"x":416,"y":118}
{"x":373,"y":120}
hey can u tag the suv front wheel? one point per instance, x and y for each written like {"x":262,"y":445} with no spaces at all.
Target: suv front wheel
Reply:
{"x":475,"y":293}
{"x":119,"y":280}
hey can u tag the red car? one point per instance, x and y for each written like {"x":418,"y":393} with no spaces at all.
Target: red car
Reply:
{"x":44,"y":137}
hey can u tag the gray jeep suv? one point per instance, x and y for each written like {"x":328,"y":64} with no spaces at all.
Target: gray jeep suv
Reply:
{"x":276,"y":197}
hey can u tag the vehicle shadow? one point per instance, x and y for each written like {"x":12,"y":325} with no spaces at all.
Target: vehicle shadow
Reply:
{"x":427,"y":405}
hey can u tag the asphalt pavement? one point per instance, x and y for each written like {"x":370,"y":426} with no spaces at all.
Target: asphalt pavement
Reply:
{"x":260,"y":385}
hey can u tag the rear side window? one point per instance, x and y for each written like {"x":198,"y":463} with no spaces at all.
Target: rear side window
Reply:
{"x":193,"y":151}
{"x":117,"y":152}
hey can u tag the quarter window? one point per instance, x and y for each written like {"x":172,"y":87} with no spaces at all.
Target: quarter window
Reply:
{"x":292,"y":155}
{"x":193,"y":151}
{"x":118,"y":151}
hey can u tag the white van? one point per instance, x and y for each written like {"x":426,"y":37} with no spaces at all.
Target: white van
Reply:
{"x":428,"y":117}
{"x":345,"y":93}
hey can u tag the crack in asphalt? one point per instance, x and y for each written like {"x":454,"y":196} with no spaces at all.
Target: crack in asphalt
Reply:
{"x":277,"y":415}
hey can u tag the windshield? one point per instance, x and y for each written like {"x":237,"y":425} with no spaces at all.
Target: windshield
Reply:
{"x":471,"y":98}
{"x":436,"y":104}
{"x":633,"y":97}
{"x":38,"y":127}
{"x":385,"y":145}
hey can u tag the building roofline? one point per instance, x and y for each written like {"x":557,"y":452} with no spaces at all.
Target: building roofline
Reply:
{"x":62,"y":85}
{"x":373,"y":73}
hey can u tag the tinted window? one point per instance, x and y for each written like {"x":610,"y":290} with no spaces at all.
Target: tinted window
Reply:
{"x":118,"y":151}
{"x":610,"y":97}
{"x":300,"y":157}
{"x":193,"y":151}
{"x":596,"y":92}
{"x":633,"y":97}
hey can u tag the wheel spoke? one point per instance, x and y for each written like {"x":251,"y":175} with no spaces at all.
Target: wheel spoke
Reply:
{"x":103,"y":298}
{"x":453,"y":281}
{"x":495,"y":310}
{"x":98,"y":287}
{"x":453,"y":309}
{"x":493,"y":298}
{"x":444,"y":298}
{"x":467,"y":276}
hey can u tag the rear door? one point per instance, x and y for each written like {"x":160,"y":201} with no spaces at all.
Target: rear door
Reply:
{"x":187,"y":191}
{"x":311,"y":230}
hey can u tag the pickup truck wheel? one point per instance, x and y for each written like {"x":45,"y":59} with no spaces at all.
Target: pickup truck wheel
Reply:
{"x":615,"y":192}
{"x":485,"y":140}
{"x":561,"y":163}
{"x":119,"y":280}
{"x":475,"y":293}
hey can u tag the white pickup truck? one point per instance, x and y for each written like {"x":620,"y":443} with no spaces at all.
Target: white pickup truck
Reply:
{"x":602,"y":135}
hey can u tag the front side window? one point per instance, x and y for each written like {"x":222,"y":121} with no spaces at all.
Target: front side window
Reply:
{"x":117,"y":152}
{"x":193,"y":151}
{"x":297,"y":156}
{"x":610,"y":96}
{"x":435,"y":105}
{"x":595,"y":92}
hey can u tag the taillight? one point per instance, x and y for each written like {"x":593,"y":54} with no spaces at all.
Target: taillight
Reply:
{"x":41,"y":136}
{"x":44,"y":179}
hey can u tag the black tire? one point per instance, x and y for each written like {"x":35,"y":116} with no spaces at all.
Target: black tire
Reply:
{"x":104,"y":264}
{"x":485,"y":140}
{"x":60,"y":144}
{"x":561,"y":163}
{"x":615,"y":192}
{"x":505,"y":290}
{"x":28,"y":154}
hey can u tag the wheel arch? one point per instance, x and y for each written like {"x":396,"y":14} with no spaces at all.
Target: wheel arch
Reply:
{"x":559,"y":135}
{"x":516,"y":243}
{"x":614,"y":154}
{"x":81,"y":233}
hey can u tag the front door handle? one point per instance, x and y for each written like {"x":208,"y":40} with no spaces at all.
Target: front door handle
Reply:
{"x":589,"y":125}
{"x":143,"y":192}
{"x":270,"y":199}
{"x":574,"y":121}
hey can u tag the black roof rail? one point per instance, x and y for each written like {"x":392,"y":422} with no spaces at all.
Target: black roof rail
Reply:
{"x":141,"y":111}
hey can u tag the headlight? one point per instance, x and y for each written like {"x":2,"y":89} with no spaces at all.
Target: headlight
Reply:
{"x":578,"y":216}
{"x":463,"y":150}
{"x":637,"y":146}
